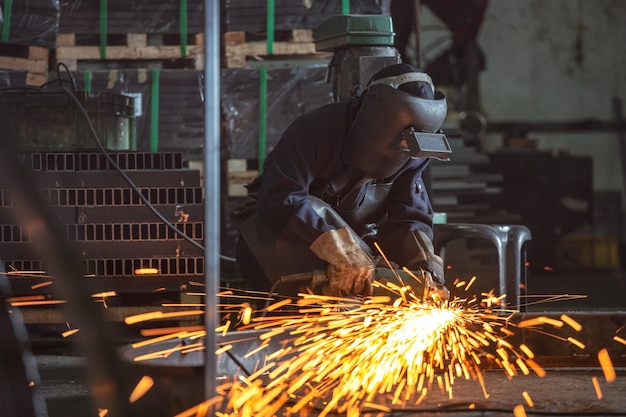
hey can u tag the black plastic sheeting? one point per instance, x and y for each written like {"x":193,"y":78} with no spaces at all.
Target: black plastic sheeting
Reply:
{"x":251,"y":16}
{"x":31,"y":22}
{"x":291,"y":92}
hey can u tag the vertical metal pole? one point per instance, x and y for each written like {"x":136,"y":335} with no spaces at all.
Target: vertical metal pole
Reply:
{"x":211,"y":189}
{"x":417,"y":29}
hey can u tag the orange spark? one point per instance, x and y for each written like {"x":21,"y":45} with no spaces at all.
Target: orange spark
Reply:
{"x":157,"y":315}
{"x":596,"y":386}
{"x":571,"y":322}
{"x":519,"y":411}
{"x":168,"y":330}
{"x":576,"y":342}
{"x":40,"y":285}
{"x":528,"y":400}
{"x":619,"y":340}
{"x":146,"y":271}
{"x":607,"y":365}
{"x":143,"y":386}
{"x":70,"y":332}
{"x":37,"y":303}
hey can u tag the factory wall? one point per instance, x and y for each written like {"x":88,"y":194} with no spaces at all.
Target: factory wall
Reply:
{"x":552,"y":61}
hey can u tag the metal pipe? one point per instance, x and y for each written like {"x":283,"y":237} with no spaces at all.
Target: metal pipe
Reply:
{"x":211,"y":189}
{"x":590,"y":125}
{"x":417,"y":29}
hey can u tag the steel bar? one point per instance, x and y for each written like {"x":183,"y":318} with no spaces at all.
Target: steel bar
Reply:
{"x":590,"y":125}
{"x":212,"y":188}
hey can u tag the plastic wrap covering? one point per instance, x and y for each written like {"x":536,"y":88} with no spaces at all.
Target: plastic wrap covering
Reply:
{"x":291,"y":92}
{"x":30,"y":22}
{"x":251,"y":16}
{"x":10,"y":79}
{"x":48,"y":120}
{"x":137,"y":16}
{"x":171,"y":121}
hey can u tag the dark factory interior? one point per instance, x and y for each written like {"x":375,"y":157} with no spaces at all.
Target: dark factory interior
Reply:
{"x":177,"y":178}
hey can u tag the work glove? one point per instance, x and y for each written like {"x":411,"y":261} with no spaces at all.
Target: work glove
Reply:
{"x":418,"y":250}
{"x":350,"y":269}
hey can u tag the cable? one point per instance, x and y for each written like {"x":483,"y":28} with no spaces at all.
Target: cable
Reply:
{"x":127,"y":179}
{"x":69,"y":74}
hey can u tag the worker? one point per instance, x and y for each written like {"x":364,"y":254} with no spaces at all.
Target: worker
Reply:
{"x":342,"y":177}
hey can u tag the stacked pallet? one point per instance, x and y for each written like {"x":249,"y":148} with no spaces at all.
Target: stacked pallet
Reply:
{"x":29,"y":29}
{"x":292,"y":24}
{"x":161,"y":34}
{"x":72,"y":49}
{"x":30,"y":60}
{"x":293,"y":44}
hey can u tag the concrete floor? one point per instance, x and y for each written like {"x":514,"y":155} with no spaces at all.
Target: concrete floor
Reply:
{"x":563,"y":391}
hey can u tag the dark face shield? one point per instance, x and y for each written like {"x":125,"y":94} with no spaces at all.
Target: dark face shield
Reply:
{"x":373,"y":144}
{"x":422,"y":144}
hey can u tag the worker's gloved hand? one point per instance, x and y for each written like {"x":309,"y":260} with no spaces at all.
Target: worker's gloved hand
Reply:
{"x":418,"y":249}
{"x":433,"y":290}
{"x":350,"y":269}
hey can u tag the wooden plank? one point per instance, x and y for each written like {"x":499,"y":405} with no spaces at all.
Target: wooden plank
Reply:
{"x":236,"y":49}
{"x":237,"y":182}
{"x":235,"y":61}
{"x":302,"y":35}
{"x":125,"y":52}
{"x":37,"y":53}
{"x":23,"y":64}
{"x":280,"y":48}
{"x":136,"y":39}
{"x":135,"y":48}
{"x":66,"y":39}
{"x":236,"y":165}
{"x":234,"y":38}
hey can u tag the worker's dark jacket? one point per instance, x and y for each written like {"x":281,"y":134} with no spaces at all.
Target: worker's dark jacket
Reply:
{"x":308,"y":160}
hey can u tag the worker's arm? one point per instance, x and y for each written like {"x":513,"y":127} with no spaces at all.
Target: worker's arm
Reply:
{"x":308,"y":151}
{"x":406,"y":236}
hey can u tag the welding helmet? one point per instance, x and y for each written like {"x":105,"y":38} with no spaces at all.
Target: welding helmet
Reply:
{"x":399,"y":118}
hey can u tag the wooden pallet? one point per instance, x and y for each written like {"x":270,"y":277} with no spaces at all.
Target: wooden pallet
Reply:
{"x":135,"y":47}
{"x":238,"y":176}
{"x":30,"y":59}
{"x":299,"y":43}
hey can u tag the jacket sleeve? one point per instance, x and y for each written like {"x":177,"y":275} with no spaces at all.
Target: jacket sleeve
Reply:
{"x":304,"y":153}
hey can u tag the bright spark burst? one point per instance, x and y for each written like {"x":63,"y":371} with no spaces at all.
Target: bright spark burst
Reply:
{"x":352,"y":356}
{"x":343,"y":354}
